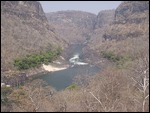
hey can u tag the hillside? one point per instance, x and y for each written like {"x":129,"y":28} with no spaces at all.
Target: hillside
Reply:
{"x":128,"y":32}
{"x":24,"y":30}
{"x":131,"y":20}
{"x":104,"y":19}
{"x":72,"y":26}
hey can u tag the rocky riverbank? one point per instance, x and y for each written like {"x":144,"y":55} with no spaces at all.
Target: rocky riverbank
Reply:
{"x":16,"y":78}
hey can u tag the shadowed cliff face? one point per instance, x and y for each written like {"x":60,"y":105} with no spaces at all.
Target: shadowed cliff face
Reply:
{"x":24,"y":30}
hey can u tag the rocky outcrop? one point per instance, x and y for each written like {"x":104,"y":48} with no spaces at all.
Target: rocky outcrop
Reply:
{"x":24,"y":9}
{"x":132,"y":12}
{"x":24,"y":30}
{"x":131,"y":21}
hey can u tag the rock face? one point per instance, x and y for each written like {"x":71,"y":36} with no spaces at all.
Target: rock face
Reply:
{"x":24,"y":30}
{"x":72,"y":26}
{"x":131,"y":20}
{"x":105,"y":18}
{"x":132,"y":12}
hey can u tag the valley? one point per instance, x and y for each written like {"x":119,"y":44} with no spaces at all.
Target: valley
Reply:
{"x":74,"y":60}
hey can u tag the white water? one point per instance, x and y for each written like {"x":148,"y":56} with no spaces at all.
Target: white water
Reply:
{"x":62,"y":73}
{"x":75,"y":60}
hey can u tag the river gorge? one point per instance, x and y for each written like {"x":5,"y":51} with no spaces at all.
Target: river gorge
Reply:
{"x":66,"y":69}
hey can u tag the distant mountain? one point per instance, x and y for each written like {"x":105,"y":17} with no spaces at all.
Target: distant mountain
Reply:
{"x":24,"y":30}
{"x":72,"y":26}
{"x":77,"y":26}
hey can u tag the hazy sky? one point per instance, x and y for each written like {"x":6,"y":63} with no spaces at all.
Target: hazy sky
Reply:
{"x":88,"y":6}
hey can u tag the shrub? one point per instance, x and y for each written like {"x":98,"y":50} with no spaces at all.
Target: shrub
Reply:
{"x":5,"y":91}
{"x":119,"y":60}
{"x":72,"y":86}
{"x":35,"y":60}
{"x":111,"y":56}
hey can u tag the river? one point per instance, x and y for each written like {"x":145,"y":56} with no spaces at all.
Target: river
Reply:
{"x":63,"y":78}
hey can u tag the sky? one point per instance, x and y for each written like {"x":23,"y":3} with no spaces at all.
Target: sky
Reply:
{"x":88,"y":6}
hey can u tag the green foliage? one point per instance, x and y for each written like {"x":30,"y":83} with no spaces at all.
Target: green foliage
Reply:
{"x":124,"y":62}
{"x":5,"y":91}
{"x":72,"y":86}
{"x":35,"y":60}
{"x":58,"y":50}
{"x":119,"y":60}
{"x":111,"y":56}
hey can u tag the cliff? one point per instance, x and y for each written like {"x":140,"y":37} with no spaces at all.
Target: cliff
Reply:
{"x":131,"y":21}
{"x":24,"y":30}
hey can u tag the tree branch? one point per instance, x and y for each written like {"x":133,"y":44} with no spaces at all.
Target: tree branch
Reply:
{"x":98,"y":101}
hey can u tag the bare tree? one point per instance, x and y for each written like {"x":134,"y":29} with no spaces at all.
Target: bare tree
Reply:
{"x":32,"y":97}
{"x":141,"y":78}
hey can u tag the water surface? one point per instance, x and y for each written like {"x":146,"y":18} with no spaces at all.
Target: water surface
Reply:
{"x":63,"y":78}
